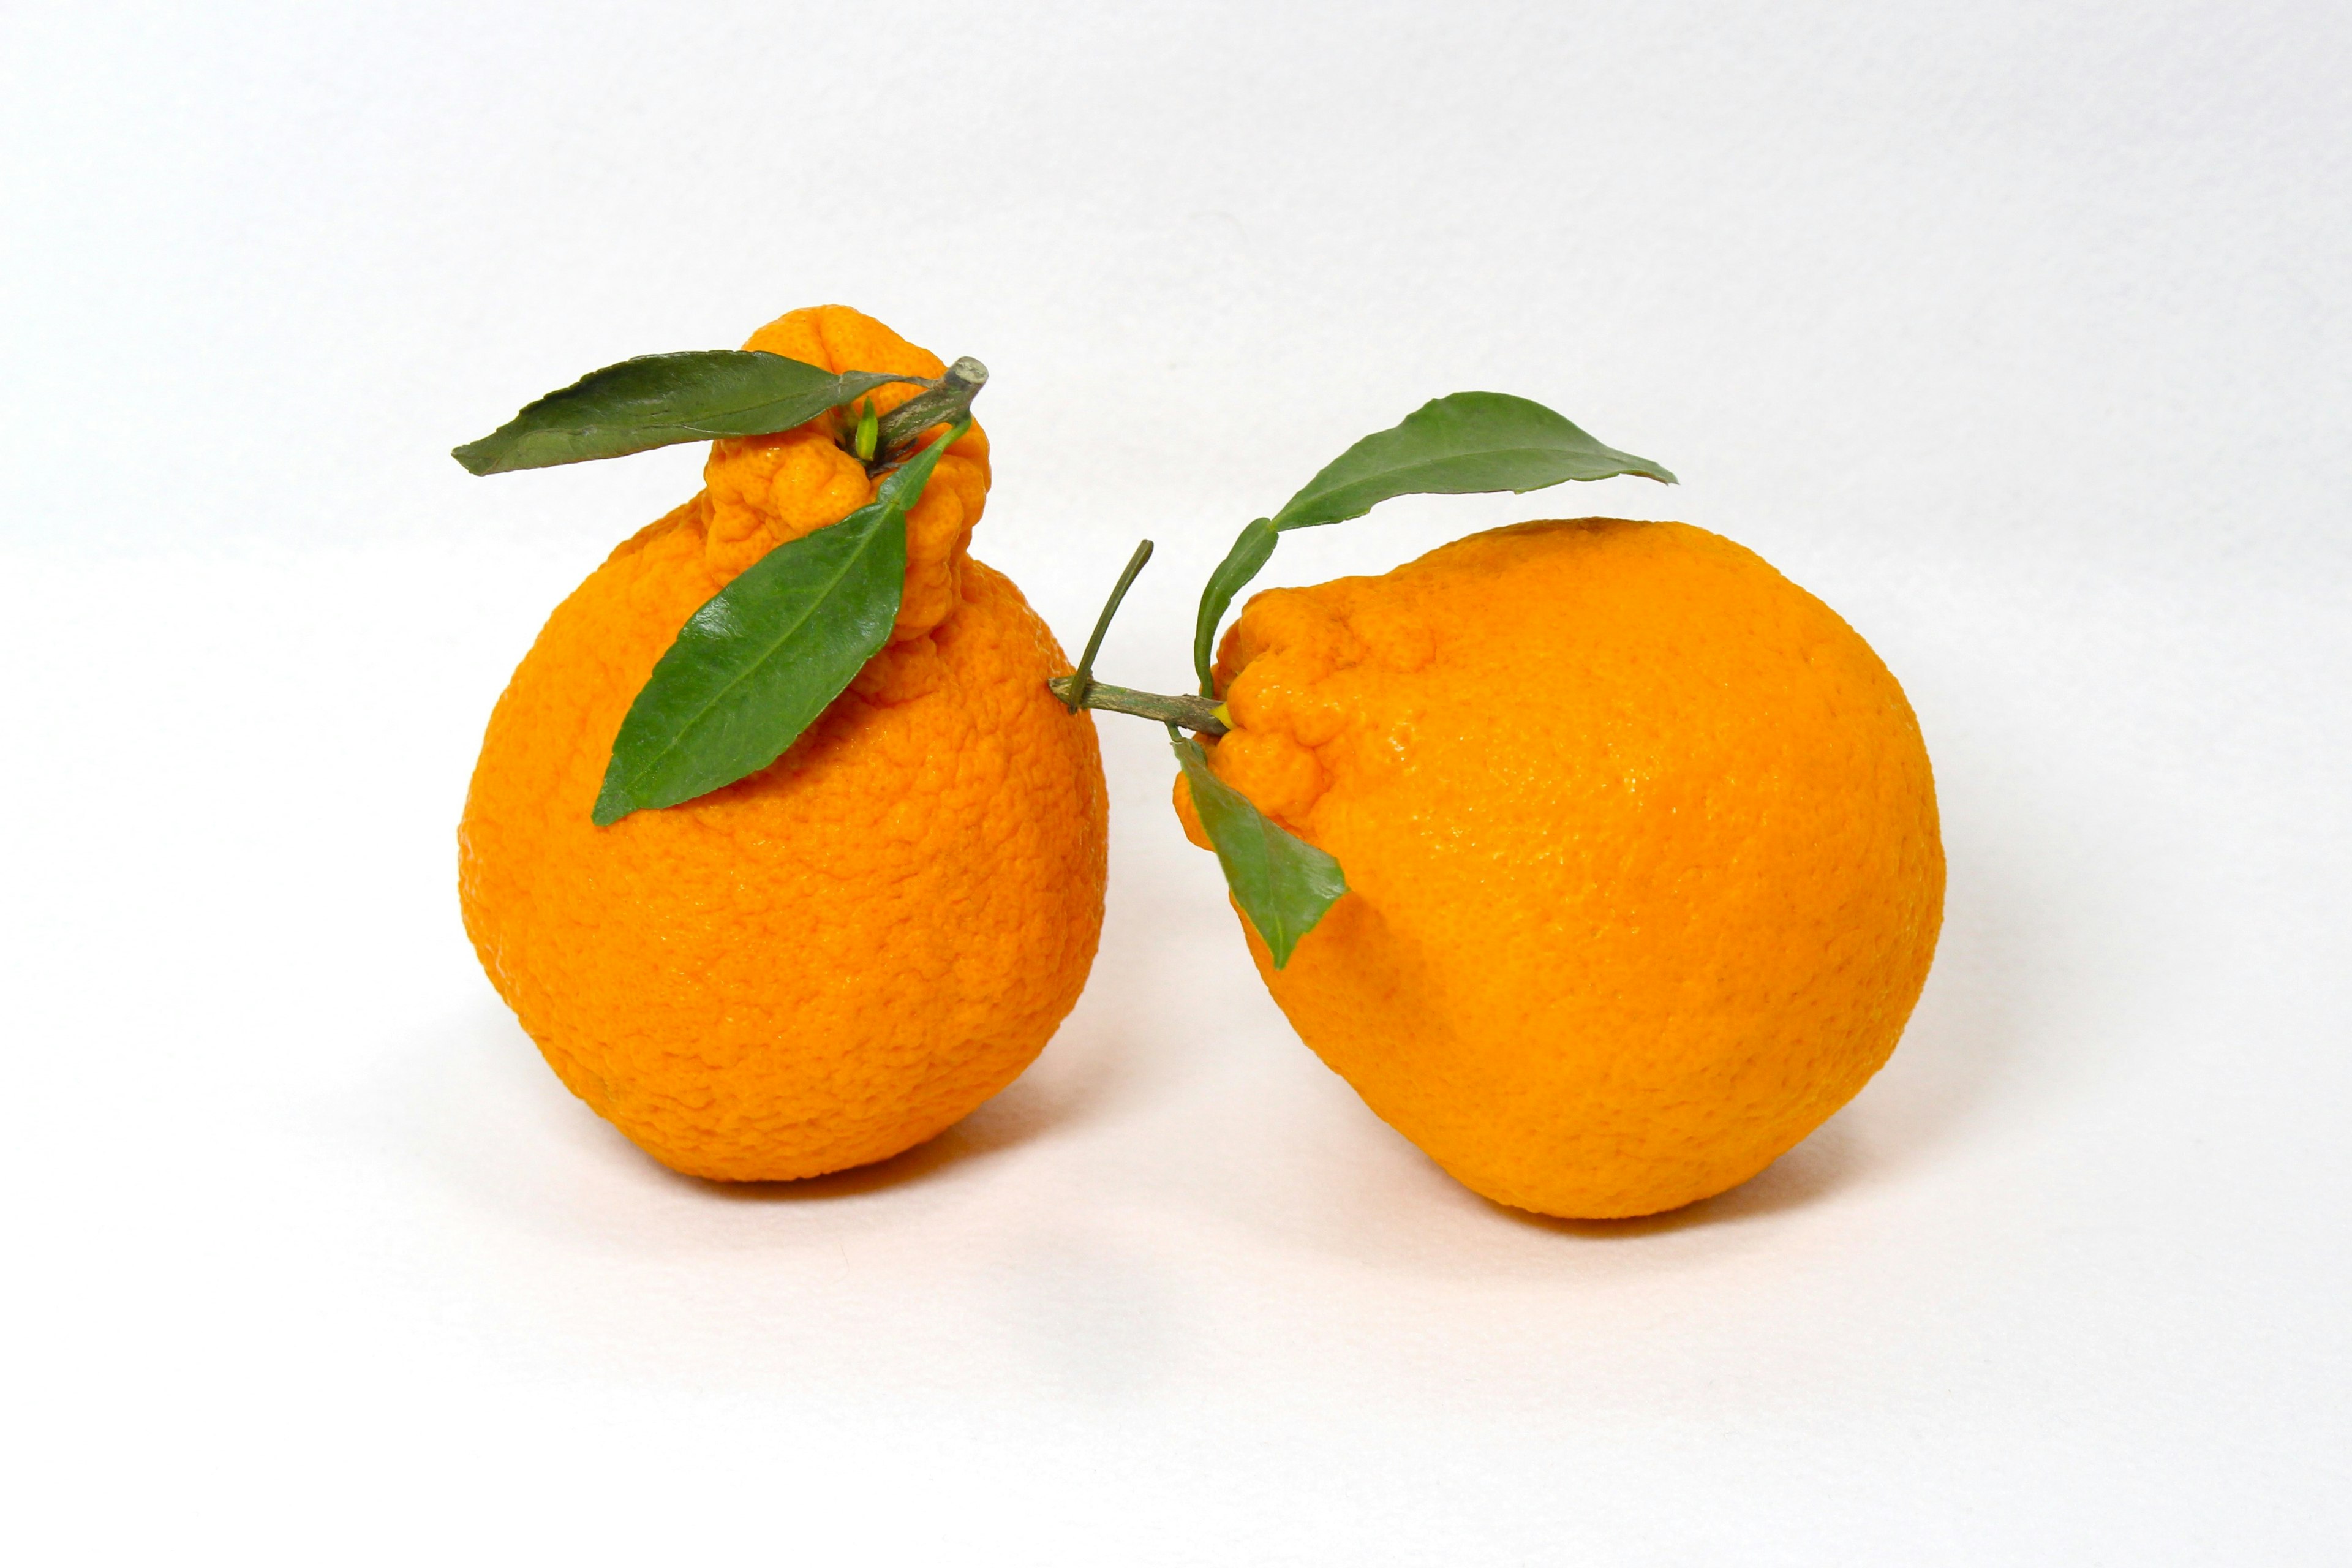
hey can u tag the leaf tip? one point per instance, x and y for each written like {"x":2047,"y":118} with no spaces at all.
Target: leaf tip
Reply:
{"x":613,"y":802}
{"x":1329,"y":894}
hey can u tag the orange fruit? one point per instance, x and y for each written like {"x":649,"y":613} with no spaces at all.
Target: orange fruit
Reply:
{"x":843,"y":954}
{"x":1641,"y":843}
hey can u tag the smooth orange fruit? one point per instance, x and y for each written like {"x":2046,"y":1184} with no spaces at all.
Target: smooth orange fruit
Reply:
{"x":841,"y":955}
{"x":1642,"y":849}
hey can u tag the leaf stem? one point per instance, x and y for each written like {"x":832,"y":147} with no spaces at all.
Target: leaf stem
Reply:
{"x":1197,"y":714}
{"x":947,"y":402}
{"x":1086,"y":672}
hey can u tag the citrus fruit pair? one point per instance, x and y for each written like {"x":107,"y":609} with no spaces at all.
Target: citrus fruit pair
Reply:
{"x":1599,"y":857}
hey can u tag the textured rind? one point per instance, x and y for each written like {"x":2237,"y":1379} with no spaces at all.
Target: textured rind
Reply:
{"x":1642,"y":838}
{"x":766,"y":489}
{"x":834,"y":959}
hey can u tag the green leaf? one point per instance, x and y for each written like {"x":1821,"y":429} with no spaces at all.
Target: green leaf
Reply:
{"x":1282,"y":883}
{"x":756,"y":665}
{"x":1242,"y":562}
{"x":1472,"y":441}
{"x":660,"y":399}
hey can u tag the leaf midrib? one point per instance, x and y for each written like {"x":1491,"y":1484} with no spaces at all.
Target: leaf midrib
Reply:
{"x":1265,"y":831}
{"x":1419,"y":465}
{"x":812,"y":602}
{"x":839,"y":381}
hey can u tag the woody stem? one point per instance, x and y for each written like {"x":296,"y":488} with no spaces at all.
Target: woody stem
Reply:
{"x":1190,"y":712}
{"x":945,"y":404}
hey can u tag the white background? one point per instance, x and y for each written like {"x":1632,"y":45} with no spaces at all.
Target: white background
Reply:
{"x":2016,"y":331}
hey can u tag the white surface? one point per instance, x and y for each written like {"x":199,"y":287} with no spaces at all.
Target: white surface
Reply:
{"x":2016,"y":331}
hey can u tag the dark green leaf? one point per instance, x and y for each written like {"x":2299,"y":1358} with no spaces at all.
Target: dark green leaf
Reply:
{"x":1469,"y":442}
{"x":1283,"y":883}
{"x":660,"y":399}
{"x":1241,"y":563}
{"x":1472,"y":441}
{"x":757,"y":663}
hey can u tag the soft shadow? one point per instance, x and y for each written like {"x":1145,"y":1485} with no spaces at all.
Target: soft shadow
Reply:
{"x":1965,"y":1040}
{"x":1020,"y":1113}
{"x":470,"y":1102}
{"x":1069,"y":1084}
{"x":1824,"y":1162}
{"x":1961,"y":1042}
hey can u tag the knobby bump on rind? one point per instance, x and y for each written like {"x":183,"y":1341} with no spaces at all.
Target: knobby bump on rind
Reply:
{"x":767,"y":653}
{"x":1470,"y":442}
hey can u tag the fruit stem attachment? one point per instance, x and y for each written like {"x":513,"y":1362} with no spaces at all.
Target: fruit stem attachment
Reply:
{"x":947,"y":401}
{"x":1085,"y":677}
{"x":1191,"y":712}
{"x":1081,"y":689}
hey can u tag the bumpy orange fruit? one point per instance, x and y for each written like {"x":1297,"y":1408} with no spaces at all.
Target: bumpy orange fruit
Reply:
{"x":841,"y":955}
{"x":1642,"y":846}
